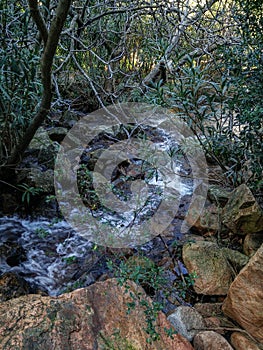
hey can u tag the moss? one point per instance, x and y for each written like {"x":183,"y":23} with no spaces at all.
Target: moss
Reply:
{"x":115,"y":342}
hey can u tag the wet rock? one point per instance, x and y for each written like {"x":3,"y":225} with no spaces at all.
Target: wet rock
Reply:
{"x":240,"y":342}
{"x":57,"y":133}
{"x":218,"y":195}
{"x":42,"y":180}
{"x":207,"y":260}
{"x":13,"y":286}
{"x":237,"y":259}
{"x":12,"y":253}
{"x":208,"y":221}
{"x":8,"y":203}
{"x":91,"y":158}
{"x":47,"y":155}
{"x":10,"y":229}
{"x":244,"y":300}
{"x":187,"y":321}
{"x":210,"y":340}
{"x":40,"y":140}
{"x":89,"y":318}
{"x":242,"y":214}
{"x":252,"y":242}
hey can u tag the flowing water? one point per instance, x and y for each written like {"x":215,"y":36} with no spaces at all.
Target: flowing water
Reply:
{"x":52,"y":256}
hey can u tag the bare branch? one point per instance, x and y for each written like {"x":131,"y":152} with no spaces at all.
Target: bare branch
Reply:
{"x":186,"y":21}
{"x":46,"y":70}
{"x":38,"y":19}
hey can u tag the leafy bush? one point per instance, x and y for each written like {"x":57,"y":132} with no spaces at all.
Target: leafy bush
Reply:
{"x":19,"y":78}
{"x":221,"y":100}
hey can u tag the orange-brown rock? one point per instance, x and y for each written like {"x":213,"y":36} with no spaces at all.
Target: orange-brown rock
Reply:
{"x":210,"y":340}
{"x":244,"y":302}
{"x":90,"y":318}
{"x":209,"y":263}
{"x":214,"y":323}
{"x":240,"y":342}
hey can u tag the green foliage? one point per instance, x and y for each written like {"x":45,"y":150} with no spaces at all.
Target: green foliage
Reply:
{"x":73,"y":286}
{"x":142,"y":271}
{"x":115,"y":342}
{"x":29,"y":192}
{"x":182,"y":285}
{"x":50,"y":198}
{"x":244,"y":63}
{"x":223,"y":107}
{"x":85,"y":186}
{"x":145,"y":273}
{"x":70,"y":259}
{"x":41,"y":232}
{"x":19,"y":78}
{"x":106,"y":57}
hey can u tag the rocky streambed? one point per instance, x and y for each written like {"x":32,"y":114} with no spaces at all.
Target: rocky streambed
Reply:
{"x":196,"y":279}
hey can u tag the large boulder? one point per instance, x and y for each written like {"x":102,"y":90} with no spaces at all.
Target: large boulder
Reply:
{"x":96,"y":317}
{"x":208,"y":221}
{"x":44,"y":148}
{"x":207,"y":260}
{"x":244,"y":301}
{"x":240,"y":342}
{"x":40,"y":140}
{"x":218,"y":195}
{"x":210,"y":340}
{"x":242,"y":213}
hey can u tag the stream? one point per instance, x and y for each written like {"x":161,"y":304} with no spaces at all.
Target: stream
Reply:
{"x":51,"y":255}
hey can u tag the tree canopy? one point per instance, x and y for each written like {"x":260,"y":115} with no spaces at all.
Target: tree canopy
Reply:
{"x":203,"y":60}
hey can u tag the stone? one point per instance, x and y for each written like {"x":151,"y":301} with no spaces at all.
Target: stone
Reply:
{"x":209,"y":309}
{"x":210,"y":340}
{"x":12,"y":253}
{"x":42,"y":180}
{"x":242,"y":213}
{"x":90,"y":318}
{"x":47,"y":155}
{"x":237,"y":259}
{"x":12,"y":286}
{"x":214,"y":323}
{"x":240,"y":342}
{"x":40,"y":140}
{"x":208,"y":262}
{"x":244,"y":301}
{"x":218,"y":195}
{"x":57,"y":133}
{"x":186,"y":321}
{"x":44,"y":148}
{"x":252,"y":242}
{"x":207,"y":221}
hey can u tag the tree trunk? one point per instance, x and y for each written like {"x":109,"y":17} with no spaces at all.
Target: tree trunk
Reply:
{"x":50,"y":39}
